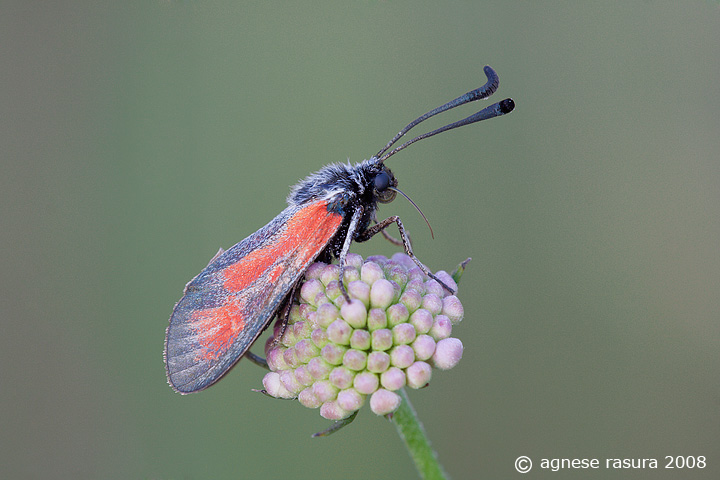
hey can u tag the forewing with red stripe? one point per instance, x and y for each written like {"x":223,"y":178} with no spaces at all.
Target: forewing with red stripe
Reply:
{"x":226,"y":307}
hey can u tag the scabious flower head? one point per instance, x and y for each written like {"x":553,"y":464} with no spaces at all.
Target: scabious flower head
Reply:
{"x":334,"y":354}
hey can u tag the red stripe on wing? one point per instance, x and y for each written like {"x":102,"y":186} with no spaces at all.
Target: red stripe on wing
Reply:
{"x":253,"y":281}
{"x":217,"y":328}
{"x":306,"y":233}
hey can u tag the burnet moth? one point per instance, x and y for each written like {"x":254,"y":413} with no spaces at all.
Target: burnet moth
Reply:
{"x":228,"y":305}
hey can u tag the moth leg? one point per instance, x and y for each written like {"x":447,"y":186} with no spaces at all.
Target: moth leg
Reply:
{"x":257,"y":360}
{"x":285,"y":315}
{"x":389,"y":237}
{"x":379,"y":227}
{"x":357,"y":215}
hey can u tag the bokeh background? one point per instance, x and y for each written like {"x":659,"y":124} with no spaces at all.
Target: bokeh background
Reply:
{"x":138,"y":137}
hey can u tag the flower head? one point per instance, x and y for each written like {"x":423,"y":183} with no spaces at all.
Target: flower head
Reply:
{"x":334,"y":354}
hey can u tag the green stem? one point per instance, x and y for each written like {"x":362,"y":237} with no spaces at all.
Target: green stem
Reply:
{"x":416,"y":441}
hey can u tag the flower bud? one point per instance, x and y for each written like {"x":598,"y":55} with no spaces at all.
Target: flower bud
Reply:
{"x":442,"y":327}
{"x":360,"y":340}
{"x":381,"y":294}
{"x":424,"y":347}
{"x":393,"y":378}
{"x":354,"y":313}
{"x":378,"y":362}
{"x":366,"y":382}
{"x":342,"y":377}
{"x":339,"y":332}
{"x":273,"y":386}
{"x":418,"y":374}
{"x":453,"y":309}
{"x":334,"y":353}
{"x":384,"y":401}
{"x":350,"y":400}
{"x":402,"y":356}
{"x":324,"y":390}
{"x":381,"y":339}
{"x":448,"y":353}
{"x":332,"y":411}
{"x":308,"y":399}
{"x":355,"y":360}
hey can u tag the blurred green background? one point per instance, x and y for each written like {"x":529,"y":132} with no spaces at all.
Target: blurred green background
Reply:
{"x":138,"y":137}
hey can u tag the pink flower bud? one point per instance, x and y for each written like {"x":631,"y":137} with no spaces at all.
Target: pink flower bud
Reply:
{"x":442,"y":328}
{"x":331,"y":273}
{"x":384,"y":401}
{"x":308,"y":399}
{"x":422,"y":320}
{"x":354,"y":313}
{"x":324,"y":390}
{"x":448,"y":353}
{"x":332,"y":411}
{"x":418,"y":374}
{"x":290,"y":357}
{"x":453,"y":309}
{"x":333,"y":353}
{"x":377,"y":318}
{"x":287,"y":377}
{"x":310,"y":289}
{"x":275,"y":359}
{"x":315,"y":270}
{"x":402,"y":356}
{"x":318,"y":368}
{"x":424,"y":347}
{"x":355,"y":360}
{"x":434,"y":288}
{"x":378,"y":362}
{"x":339,"y":332}
{"x":350,"y":400}
{"x":353,"y":261}
{"x":397,"y":274}
{"x":403,"y":260}
{"x":432,"y":303}
{"x":359,"y":290}
{"x":381,"y":294}
{"x":366,"y":382}
{"x":360,"y":340}
{"x":319,"y":337}
{"x":371,"y":272}
{"x":342,"y":377}
{"x":333,"y":292}
{"x":381,"y":339}
{"x":447,"y":280}
{"x":305,"y":350}
{"x":411,"y":299}
{"x":326,"y":314}
{"x":274,"y":387}
{"x":397,"y":314}
{"x":303,"y":376}
{"x":403,"y":334}
{"x":393,"y":378}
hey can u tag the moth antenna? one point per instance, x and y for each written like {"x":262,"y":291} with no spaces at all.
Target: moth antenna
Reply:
{"x":432,"y":234}
{"x":483,"y":92}
{"x":500,"y":108}
{"x":495,"y":110}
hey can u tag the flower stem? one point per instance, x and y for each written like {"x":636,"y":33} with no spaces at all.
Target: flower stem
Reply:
{"x":416,"y":441}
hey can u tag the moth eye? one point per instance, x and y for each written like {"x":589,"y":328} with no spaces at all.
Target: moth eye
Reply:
{"x":382,"y":181}
{"x":383,"y":187}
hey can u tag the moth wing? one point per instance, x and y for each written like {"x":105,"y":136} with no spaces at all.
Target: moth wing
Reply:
{"x":227,"y":306}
